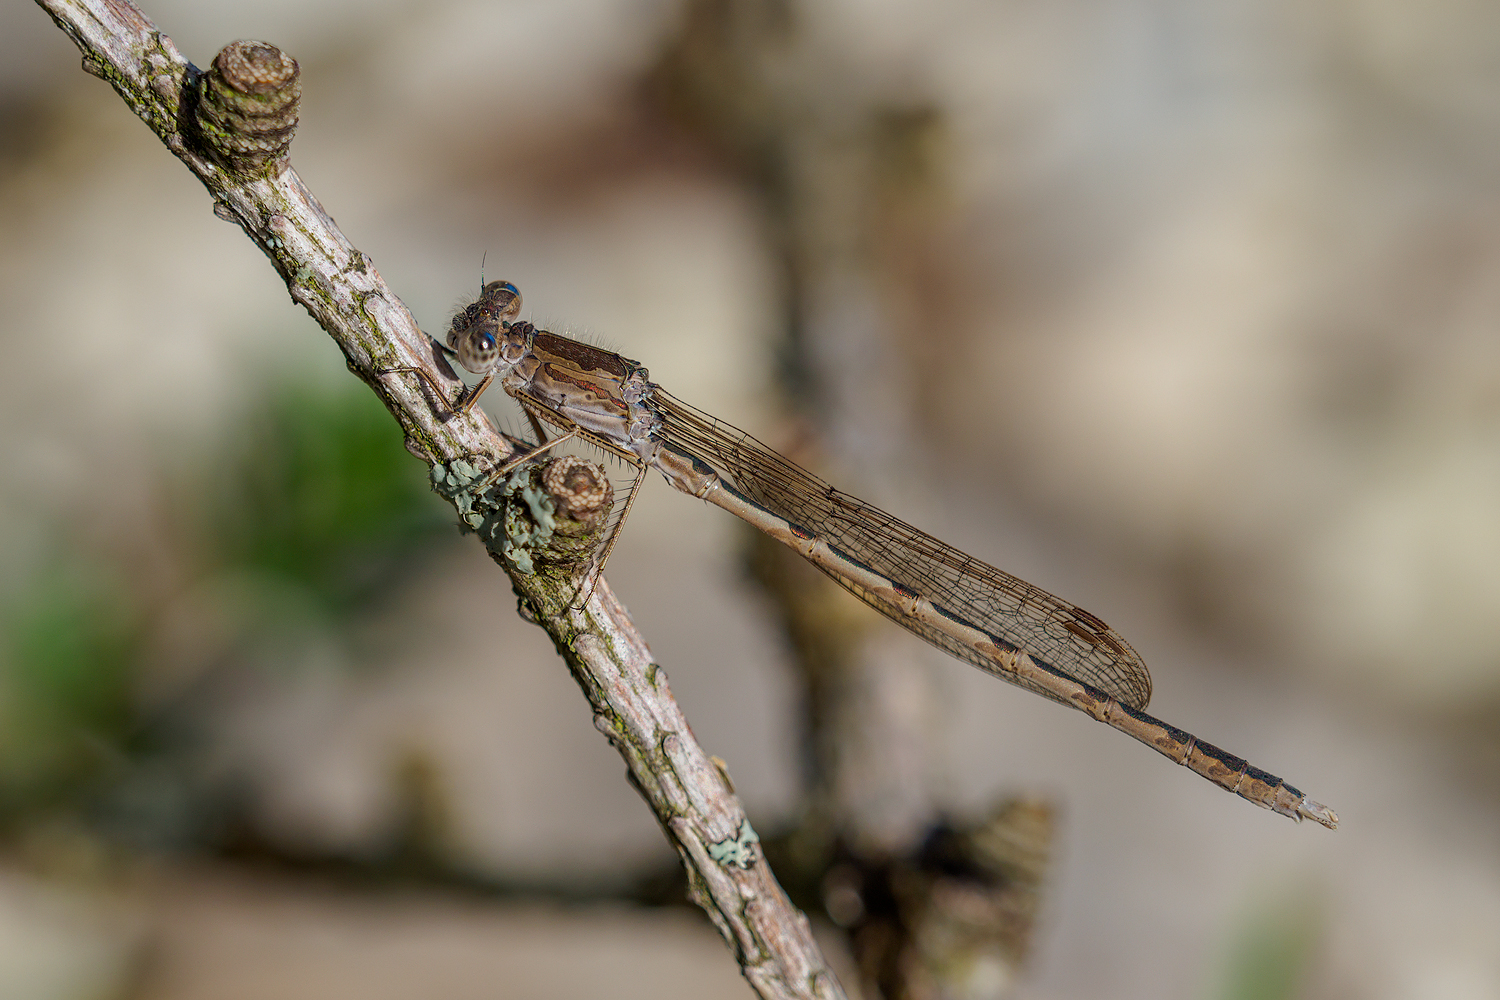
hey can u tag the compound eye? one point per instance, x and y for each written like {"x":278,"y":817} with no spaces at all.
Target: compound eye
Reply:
{"x":478,"y":352}
{"x":502,"y":300}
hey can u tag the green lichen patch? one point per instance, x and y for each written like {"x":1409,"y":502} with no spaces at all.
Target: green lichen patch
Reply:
{"x":529,"y":522}
{"x":456,"y":480}
{"x":518,"y":518}
{"x":738,"y":850}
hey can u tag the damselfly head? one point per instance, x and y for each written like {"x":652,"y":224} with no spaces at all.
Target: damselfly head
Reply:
{"x":477,"y":330}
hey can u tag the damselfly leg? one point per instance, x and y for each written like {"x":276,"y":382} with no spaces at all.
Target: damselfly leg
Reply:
{"x":480,"y":339}
{"x":611,"y":535}
{"x":540,"y":418}
{"x":454,"y":408}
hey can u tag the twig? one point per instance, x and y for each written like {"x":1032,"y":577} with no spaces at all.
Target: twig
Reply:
{"x":232,"y":126}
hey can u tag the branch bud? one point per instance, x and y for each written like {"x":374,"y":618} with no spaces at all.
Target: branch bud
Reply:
{"x":247,"y":106}
{"x":579,"y":488}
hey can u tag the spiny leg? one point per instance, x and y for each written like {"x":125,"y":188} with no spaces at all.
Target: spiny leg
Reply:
{"x":545,"y":446}
{"x":469,"y":397}
{"x":596,"y":565}
{"x":536,"y":425}
{"x":465,"y":402}
{"x":432,"y":384}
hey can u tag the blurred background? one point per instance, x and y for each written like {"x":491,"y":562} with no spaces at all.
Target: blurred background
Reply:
{"x":1186,"y":313}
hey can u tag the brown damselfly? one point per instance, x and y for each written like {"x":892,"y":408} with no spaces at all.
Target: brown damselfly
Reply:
{"x":965,"y":607}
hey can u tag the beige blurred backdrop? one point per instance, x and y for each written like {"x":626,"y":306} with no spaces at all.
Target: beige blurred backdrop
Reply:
{"x":1212,"y":352}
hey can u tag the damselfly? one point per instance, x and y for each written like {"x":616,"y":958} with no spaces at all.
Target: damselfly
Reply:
{"x":963,"y":606}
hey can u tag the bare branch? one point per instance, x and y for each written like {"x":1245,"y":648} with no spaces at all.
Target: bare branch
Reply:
{"x":232,"y":126}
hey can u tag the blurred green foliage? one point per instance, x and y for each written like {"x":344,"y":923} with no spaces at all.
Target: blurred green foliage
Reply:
{"x":1270,"y":956}
{"x":315,"y":488}
{"x":312,"y":496}
{"x":72,"y":641}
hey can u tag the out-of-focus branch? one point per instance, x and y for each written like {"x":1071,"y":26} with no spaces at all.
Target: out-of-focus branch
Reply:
{"x":852,"y":178}
{"x":232,"y":126}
